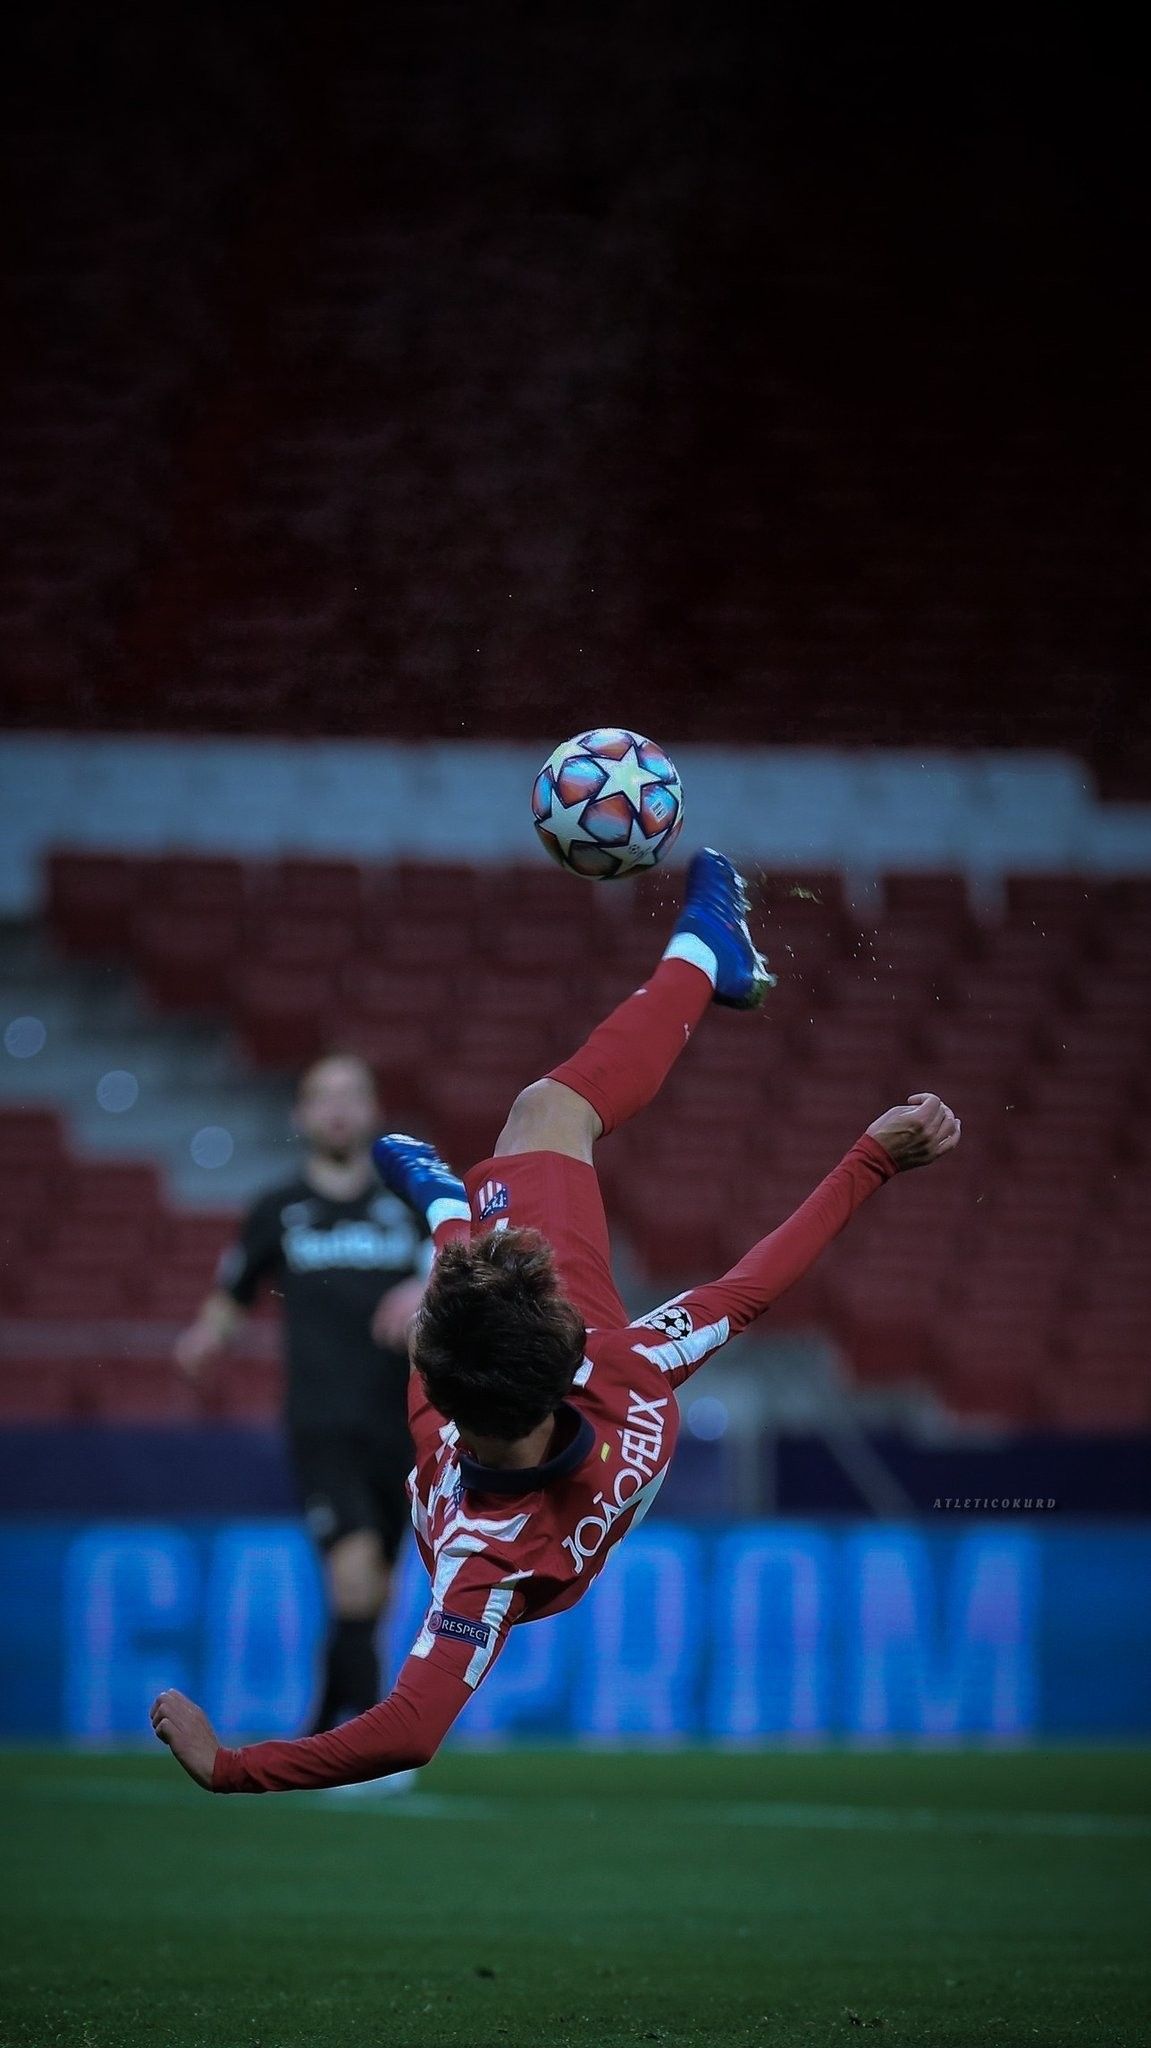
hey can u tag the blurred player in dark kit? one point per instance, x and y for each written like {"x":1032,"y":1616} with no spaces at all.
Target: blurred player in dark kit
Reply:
{"x":350,"y":1260}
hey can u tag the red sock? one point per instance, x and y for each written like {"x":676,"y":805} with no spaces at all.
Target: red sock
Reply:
{"x":454,"y":1231}
{"x":629,"y":1056}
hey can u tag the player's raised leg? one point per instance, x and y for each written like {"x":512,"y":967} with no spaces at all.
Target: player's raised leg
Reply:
{"x":541,"y":1174}
{"x":710,"y":958}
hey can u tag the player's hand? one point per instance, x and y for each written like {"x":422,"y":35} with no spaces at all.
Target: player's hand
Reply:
{"x":196,"y":1348}
{"x":920,"y":1130}
{"x":394,"y":1314}
{"x":189,"y":1734}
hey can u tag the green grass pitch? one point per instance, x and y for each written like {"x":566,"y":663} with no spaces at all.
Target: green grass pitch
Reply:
{"x":561,"y":1898}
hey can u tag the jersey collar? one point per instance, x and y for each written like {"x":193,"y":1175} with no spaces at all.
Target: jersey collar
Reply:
{"x":507,"y":1479}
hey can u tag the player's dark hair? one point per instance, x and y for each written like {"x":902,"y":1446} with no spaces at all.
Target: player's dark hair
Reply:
{"x":495,"y":1341}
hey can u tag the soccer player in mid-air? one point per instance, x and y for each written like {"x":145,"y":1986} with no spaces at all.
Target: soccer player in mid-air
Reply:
{"x":543,"y":1419}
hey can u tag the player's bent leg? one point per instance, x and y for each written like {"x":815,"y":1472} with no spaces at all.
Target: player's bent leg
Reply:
{"x":358,"y":1576}
{"x":550,"y":1117}
{"x":359,"y":1582}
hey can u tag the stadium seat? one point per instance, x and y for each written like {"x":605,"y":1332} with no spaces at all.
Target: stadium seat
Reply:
{"x":1089,"y":1045}
{"x":1097,"y":1401}
{"x":186,"y":956}
{"x":940,"y":897}
{"x":37,"y":1390}
{"x":414,"y":945}
{"x":174,"y":1290}
{"x":30,"y":1140}
{"x":317,"y":941}
{"x":279,"y":1011}
{"x":395,"y":1048}
{"x":889,"y":1306}
{"x":195,"y":883}
{"x":423,"y":891}
{"x":1115,"y":997}
{"x":91,"y":898}
{"x":467,"y":1111}
{"x":1034,"y":1025}
{"x":246,"y":1390}
{"x":380,"y":986}
{"x":311,"y":889}
{"x":195,"y":1238}
{"x":1051,"y":902}
{"x":676,"y":1242}
{"x":1105,"y":1332}
{"x":1129,"y":896}
{"x":73,"y":1294}
{"x":102,"y":1244}
{"x":139,"y":1390}
{"x":128,"y":1189}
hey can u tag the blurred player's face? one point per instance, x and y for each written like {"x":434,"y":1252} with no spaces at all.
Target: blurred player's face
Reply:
{"x":336,"y":1110}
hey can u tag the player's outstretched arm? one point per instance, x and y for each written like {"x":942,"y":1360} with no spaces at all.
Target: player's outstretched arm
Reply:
{"x":452,"y":1654}
{"x":400,"y":1734}
{"x":914,"y":1134}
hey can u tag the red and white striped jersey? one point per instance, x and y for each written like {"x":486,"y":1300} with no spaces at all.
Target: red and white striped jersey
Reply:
{"x":507,"y":1547}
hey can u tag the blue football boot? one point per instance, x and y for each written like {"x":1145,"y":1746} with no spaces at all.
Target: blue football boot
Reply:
{"x":413,"y":1169}
{"x":714,"y":918}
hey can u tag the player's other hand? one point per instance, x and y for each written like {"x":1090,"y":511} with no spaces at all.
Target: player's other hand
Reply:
{"x":189,"y":1734}
{"x":920,"y":1130}
{"x":395,"y":1312}
{"x":195,"y":1349}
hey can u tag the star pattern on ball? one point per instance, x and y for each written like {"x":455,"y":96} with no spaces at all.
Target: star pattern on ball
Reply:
{"x":566,"y":820}
{"x":626,"y":808}
{"x":625,"y":777}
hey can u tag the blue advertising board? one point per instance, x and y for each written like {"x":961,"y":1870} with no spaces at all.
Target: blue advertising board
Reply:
{"x":772,"y":1632}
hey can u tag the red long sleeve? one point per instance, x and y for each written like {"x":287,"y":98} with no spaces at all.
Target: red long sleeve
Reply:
{"x":780,"y":1259}
{"x":697,"y":1324}
{"x":404,"y":1731}
{"x":436,"y":1682}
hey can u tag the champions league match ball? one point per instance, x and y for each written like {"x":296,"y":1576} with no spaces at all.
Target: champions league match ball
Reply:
{"x":607,"y":804}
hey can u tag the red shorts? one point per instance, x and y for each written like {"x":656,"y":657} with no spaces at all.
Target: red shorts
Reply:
{"x":559,"y":1197}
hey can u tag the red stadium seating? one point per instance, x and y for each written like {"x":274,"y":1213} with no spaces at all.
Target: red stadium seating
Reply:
{"x":308,"y":889}
{"x":1014,"y":1280}
{"x":279,"y":1012}
{"x":39,"y":1390}
{"x":196,"y":882}
{"x":139,"y":1390}
{"x":31,"y":1142}
{"x":74,"y":1293}
{"x":124,"y":1188}
{"x":245,"y":1389}
{"x":90,"y":900}
{"x":186,"y":957}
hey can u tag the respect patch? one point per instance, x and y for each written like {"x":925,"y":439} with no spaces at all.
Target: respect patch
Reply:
{"x":460,"y":1627}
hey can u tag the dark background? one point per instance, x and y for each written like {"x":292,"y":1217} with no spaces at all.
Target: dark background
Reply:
{"x":438,"y":369}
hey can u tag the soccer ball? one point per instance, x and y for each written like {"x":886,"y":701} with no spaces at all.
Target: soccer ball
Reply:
{"x":607,"y":803}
